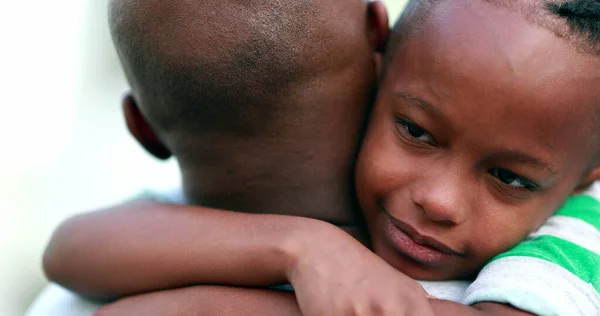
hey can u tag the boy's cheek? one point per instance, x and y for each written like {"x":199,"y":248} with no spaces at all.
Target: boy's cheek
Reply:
{"x":498,"y":236}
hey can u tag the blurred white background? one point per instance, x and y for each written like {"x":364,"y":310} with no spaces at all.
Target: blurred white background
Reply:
{"x":64,"y":146}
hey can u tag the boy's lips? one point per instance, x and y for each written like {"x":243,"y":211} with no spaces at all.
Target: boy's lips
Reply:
{"x":421,"y":248}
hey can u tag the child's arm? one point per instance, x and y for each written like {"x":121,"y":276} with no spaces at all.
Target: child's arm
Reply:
{"x":143,"y":247}
{"x":146,"y":246}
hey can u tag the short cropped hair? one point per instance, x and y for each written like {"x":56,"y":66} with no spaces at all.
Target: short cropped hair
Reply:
{"x":230,"y":66}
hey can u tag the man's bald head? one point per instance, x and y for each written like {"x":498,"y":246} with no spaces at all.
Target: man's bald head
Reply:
{"x":228,"y":66}
{"x":262,"y":102}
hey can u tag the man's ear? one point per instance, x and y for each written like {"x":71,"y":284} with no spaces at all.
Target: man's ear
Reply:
{"x":589,"y":179}
{"x":142,"y":131}
{"x":379,"y":27}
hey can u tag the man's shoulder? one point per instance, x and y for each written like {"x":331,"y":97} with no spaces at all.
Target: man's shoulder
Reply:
{"x":171,"y":196}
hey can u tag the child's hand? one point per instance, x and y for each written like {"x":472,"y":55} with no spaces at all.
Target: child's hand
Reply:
{"x":333,"y":274}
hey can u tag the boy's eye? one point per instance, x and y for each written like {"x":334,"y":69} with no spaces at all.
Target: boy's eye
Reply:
{"x":415,"y":131}
{"x":512,"y":179}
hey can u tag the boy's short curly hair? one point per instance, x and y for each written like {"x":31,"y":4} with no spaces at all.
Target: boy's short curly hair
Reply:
{"x":583,"y":19}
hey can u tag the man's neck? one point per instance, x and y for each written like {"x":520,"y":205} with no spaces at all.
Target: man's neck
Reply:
{"x":275,"y":175}
{"x":313,"y":202}
{"x":325,"y":200}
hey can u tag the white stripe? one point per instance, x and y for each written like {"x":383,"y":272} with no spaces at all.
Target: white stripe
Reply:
{"x":571,"y":229}
{"x":453,"y":290}
{"x":593,"y":190}
{"x":534,"y":285}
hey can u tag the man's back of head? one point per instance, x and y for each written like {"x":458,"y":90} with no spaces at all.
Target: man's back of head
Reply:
{"x":261,"y":102}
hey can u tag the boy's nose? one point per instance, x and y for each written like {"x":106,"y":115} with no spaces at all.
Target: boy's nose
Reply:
{"x":442,"y":199}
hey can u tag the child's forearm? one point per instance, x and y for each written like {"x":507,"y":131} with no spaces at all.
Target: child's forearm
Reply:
{"x":145,"y":246}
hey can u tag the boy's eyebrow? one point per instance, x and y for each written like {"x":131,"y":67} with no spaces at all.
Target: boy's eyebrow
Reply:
{"x":525,"y":158}
{"x":420,"y":103}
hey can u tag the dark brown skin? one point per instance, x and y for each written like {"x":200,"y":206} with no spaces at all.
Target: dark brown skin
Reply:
{"x":311,"y":152}
{"x":483,"y":127}
{"x":208,"y":300}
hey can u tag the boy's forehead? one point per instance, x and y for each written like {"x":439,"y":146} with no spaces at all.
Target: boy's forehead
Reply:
{"x":480,"y":46}
{"x":481,"y":31}
{"x":493,"y":58}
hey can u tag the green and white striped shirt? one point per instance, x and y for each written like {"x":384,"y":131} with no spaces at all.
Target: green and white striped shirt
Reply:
{"x":556,"y":271}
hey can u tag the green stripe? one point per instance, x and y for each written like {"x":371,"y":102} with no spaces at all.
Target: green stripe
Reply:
{"x":581,"y":262}
{"x":583,"y":207}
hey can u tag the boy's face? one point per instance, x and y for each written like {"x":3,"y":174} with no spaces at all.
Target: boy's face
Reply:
{"x":483,"y":127}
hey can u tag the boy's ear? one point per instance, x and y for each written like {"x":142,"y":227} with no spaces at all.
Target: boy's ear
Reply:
{"x":141,"y":130}
{"x":379,"y":27}
{"x":589,"y":179}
